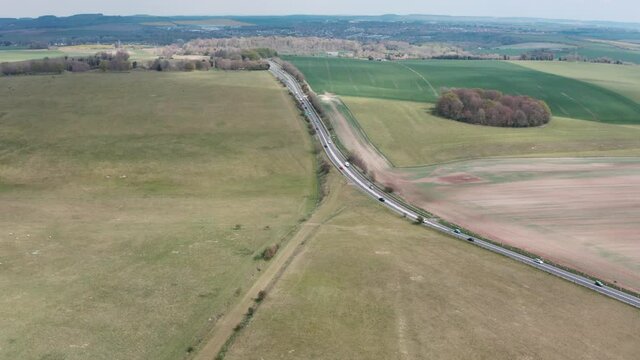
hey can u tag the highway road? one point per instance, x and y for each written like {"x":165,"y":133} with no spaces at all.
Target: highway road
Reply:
{"x":338,"y":159}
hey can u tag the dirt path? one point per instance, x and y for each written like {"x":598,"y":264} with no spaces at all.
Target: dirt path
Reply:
{"x":224,"y":328}
{"x":377,"y":165}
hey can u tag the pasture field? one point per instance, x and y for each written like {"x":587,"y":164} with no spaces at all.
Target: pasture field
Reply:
{"x":623,"y":79}
{"x":409,"y":135}
{"x":593,"y":49}
{"x":388,"y":289}
{"x":421,"y":80}
{"x":137,"y":52}
{"x":566,"y":47}
{"x":132,"y":206}
{"x":518,"y":49}
{"x":9,"y":55}
{"x":579,"y":212}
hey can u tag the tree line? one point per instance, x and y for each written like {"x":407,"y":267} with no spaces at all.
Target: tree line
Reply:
{"x":119,"y":61}
{"x":491,"y":107}
{"x":310,"y":45}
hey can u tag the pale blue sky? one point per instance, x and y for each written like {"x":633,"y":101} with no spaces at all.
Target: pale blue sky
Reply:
{"x":616,"y":10}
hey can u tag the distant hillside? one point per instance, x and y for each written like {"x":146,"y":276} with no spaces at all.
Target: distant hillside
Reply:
{"x":482,"y":36}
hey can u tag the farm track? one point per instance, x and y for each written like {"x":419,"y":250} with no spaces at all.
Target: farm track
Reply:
{"x":435,"y":92}
{"x":225,"y":327}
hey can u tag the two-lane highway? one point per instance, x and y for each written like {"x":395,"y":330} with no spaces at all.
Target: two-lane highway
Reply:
{"x":339,"y":161}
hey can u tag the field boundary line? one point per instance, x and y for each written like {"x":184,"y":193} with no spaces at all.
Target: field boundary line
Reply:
{"x":435,"y":92}
{"x":353,"y":121}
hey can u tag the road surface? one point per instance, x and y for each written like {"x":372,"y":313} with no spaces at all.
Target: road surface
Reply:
{"x":338,"y":159}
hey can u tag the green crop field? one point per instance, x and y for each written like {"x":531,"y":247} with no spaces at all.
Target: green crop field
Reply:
{"x":132,"y":206}
{"x":592,"y":50}
{"x":386,"y":80}
{"x":393,"y":290}
{"x":569,"y":47}
{"x":409,"y":135}
{"x":623,"y":79}
{"x":421,"y":81}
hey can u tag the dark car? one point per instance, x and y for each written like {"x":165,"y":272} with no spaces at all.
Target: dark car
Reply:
{"x":381,"y":199}
{"x":470,"y":239}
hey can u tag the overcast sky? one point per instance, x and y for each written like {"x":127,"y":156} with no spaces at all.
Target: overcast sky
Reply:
{"x":616,"y":10}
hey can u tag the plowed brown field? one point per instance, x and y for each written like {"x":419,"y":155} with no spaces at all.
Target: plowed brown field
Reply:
{"x":582,"y":213}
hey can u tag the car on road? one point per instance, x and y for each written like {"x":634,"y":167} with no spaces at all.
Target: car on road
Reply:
{"x":370,"y":186}
{"x":470,"y":239}
{"x":598,"y":283}
{"x":346,"y":164}
{"x":457,"y":231}
{"x":538,"y":261}
{"x":325,"y":146}
{"x":340,"y":167}
{"x":381,"y":199}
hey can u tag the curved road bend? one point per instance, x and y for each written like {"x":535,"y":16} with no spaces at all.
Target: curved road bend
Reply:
{"x":338,"y":159}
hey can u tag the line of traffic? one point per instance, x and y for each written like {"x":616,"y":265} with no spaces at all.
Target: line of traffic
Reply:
{"x":339,"y":161}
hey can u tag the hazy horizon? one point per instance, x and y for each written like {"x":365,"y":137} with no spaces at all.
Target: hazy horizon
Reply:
{"x":581,"y":10}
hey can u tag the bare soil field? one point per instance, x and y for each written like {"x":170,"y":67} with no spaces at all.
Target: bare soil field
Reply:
{"x":382,"y":288}
{"x":582,"y":213}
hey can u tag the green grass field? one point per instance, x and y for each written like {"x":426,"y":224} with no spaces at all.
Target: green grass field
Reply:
{"x":393,"y":290}
{"x":568,"y":47}
{"x":409,"y":135}
{"x":592,"y":50}
{"x":132,"y":206}
{"x":422,"y":80}
{"x":623,"y":79}
{"x":137,"y":52}
{"x":25,"y":54}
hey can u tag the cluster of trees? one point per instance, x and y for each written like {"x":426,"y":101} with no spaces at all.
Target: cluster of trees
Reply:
{"x":312,"y":96}
{"x":179,"y":65}
{"x":112,"y":61}
{"x":118,"y":61}
{"x":292,"y":70}
{"x":491,"y":107}
{"x":42,"y":66}
{"x":241,"y":64}
{"x":284,"y":44}
{"x":229,"y":48}
{"x":109,"y":61}
{"x":461,"y":57}
{"x":540,"y":55}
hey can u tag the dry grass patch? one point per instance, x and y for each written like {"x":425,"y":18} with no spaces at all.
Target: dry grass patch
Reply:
{"x":120,"y":196}
{"x":372,"y":286}
{"x":408,"y":135}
